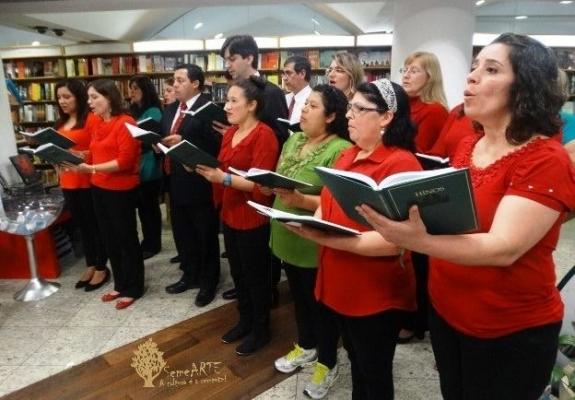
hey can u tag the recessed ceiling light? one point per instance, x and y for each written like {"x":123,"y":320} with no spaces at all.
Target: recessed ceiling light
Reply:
{"x":35,"y":43}
{"x":479,"y":2}
{"x":198,"y":25}
{"x":218,"y":36}
{"x":521,"y":17}
{"x":566,"y":2}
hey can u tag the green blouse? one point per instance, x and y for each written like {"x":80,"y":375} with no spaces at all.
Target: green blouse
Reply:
{"x":150,"y":167}
{"x":284,"y":244}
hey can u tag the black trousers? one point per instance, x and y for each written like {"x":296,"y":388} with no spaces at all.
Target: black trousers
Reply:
{"x":513,"y":367}
{"x":316,"y":324}
{"x":370,"y":343}
{"x":116,"y":215}
{"x":417,"y":321}
{"x":249,"y":258}
{"x":195,"y":229}
{"x":80,"y":204}
{"x":150,"y":215}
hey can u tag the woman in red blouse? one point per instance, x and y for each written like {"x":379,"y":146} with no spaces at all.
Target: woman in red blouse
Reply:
{"x":456,"y":127}
{"x":362,"y":279}
{"x":114,"y":161}
{"x":423,"y":82}
{"x":75,"y":123}
{"x":249,"y":143}
{"x":496,"y":313}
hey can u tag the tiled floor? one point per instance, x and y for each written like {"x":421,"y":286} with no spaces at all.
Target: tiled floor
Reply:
{"x":38,"y":339}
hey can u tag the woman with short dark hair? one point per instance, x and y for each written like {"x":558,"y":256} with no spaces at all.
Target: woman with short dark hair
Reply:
{"x":496,"y":312}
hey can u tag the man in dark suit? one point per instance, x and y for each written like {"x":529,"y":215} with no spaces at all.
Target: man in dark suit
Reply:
{"x":240,"y":53}
{"x":194,"y":217}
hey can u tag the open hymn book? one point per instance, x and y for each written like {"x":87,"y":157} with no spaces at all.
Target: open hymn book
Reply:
{"x":53,"y":154}
{"x":428,"y":161}
{"x":270,"y":179}
{"x":49,"y":135}
{"x":143,"y":135}
{"x":209,"y":113}
{"x":189,"y":154}
{"x":298,"y":220}
{"x":444,"y":196}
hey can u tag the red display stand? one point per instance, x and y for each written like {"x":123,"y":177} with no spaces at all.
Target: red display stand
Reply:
{"x":14,"y":257}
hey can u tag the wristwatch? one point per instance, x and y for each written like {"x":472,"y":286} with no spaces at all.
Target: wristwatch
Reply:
{"x":227,"y":180}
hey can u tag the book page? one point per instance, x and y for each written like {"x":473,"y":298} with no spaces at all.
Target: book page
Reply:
{"x":410,"y":176}
{"x":356,"y":176}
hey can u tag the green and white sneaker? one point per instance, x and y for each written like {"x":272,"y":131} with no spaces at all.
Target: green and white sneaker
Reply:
{"x":321,"y":380}
{"x":296,"y":358}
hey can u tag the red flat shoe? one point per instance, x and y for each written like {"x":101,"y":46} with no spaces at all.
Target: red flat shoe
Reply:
{"x":121,"y":304}
{"x":110,"y":297}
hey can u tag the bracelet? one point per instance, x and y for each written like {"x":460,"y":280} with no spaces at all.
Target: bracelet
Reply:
{"x":227,"y":180}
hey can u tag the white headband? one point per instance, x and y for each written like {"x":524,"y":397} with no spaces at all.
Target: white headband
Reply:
{"x":386,"y":90}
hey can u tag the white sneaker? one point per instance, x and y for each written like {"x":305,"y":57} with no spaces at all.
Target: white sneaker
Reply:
{"x":321,"y":380}
{"x":296,"y":358}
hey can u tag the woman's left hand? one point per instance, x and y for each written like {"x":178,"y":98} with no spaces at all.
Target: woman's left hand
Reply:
{"x":81,"y":168}
{"x":405,"y":234}
{"x":291,"y":198}
{"x":214,"y":175}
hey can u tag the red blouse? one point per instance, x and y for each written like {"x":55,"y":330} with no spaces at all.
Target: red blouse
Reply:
{"x":112,"y":141}
{"x":356,"y":285}
{"x":259,"y":149}
{"x":82,"y":137}
{"x":429,"y":119}
{"x":490,"y":302}
{"x":456,"y":127}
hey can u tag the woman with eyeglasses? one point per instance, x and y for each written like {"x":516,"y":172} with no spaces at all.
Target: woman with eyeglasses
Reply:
{"x":423,"y":83}
{"x":362,"y":279}
{"x":345,"y":73}
{"x":324,"y":136}
{"x":496,"y":312}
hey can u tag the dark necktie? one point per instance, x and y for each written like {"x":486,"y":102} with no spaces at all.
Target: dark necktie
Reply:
{"x":174,"y":131}
{"x":291,"y":106}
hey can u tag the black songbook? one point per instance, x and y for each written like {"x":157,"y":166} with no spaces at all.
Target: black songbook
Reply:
{"x":53,"y":154}
{"x":270,"y":179}
{"x":291,"y":127}
{"x":49,"y":135}
{"x":444,"y":196}
{"x":149,"y":124}
{"x":189,"y":155}
{"x":298,"y":220}
{"x":209,"y":113}
{"x":144,"y":136}
{"x":428,"y":161}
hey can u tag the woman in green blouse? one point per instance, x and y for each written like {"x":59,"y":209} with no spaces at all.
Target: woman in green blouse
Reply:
{"x":324,"y":136}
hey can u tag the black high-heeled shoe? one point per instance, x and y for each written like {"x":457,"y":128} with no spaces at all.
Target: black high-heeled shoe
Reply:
{"x":89,"y":287}
{"x":415,"y":334}
{"x":81,"y":284}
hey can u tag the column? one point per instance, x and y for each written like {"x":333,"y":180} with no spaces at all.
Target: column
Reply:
{"x":7,"y":138}
{"x":443,"y":27}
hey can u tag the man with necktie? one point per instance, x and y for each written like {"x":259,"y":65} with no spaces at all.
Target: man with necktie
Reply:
{"x":194,"y":217}
{"x":296,"y":76}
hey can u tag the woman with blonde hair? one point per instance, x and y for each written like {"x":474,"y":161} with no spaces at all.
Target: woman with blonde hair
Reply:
{"x":345,"y":73}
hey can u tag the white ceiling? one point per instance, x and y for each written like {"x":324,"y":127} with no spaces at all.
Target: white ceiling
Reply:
{"x":132,"y":20}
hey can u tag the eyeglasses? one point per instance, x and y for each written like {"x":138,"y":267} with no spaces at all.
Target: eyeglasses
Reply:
{"x":410,"y":71}
{"x":356,"y":109}
{"x":339,"y":70}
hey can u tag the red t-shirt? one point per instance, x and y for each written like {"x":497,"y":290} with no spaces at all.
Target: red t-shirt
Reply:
{"x":259,"y":149}
{"x":456,"y":127}
{"x":429,"y":119}
{"x":82,"y":137}
{"x":490,"y":302}
{"x":111,"y":140}
{"x":356,"y":285}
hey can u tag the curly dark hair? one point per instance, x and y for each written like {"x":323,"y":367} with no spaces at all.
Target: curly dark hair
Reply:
{"x":334,"y":102}
{"x":534,"y":100}
{"x":253,"y":88}
{"x":150,"y":96}
{"x":401,"y":130}
{"x":79,"y":91}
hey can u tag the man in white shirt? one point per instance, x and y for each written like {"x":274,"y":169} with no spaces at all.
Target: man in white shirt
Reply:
{"x":296,"y":76}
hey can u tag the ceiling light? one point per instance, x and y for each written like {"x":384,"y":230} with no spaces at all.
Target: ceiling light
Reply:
{"x":479,"y":2}
{"x":218,"y":36}
{"x":35,"y":43}
{"x":198,"y":25}
{"x":315,"y":21}
{"x":566,"y":2}
{"x":521,"y":17}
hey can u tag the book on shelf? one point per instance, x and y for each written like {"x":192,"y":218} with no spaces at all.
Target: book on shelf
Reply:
{"x":209,"y":112}
{"x":307,"y":220}
{"x":189,"y":154}
{"x":428,"y":161}
{"x":143,"y":135}
{"x":291,"y":127}
{"x":444,"y":196}
{"x":53,"y":154}
{"x":270,"y":179}
{"x":49,"y":135}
